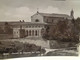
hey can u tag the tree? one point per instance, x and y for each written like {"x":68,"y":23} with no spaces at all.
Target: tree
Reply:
{"x":1,"y":30}
{"x":77,"y":22}
{"x":63,"y":30}
{"x":8,"y":29}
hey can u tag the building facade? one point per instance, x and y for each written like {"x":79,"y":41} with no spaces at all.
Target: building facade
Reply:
{"x":38,"y":24}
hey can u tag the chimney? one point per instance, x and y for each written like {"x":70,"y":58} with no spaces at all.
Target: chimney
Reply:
{"x":20,"y":20}
{"x":23,"y":21}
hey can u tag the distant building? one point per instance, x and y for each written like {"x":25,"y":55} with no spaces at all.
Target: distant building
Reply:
{"x":38,"y":23}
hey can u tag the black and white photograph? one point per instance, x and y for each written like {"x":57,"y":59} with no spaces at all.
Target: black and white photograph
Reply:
{"x":39,"y":28}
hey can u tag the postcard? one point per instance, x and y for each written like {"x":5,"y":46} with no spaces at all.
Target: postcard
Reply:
{"x":39,"y":28}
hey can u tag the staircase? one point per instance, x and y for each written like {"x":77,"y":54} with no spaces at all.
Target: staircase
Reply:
{"x":34,"y":38}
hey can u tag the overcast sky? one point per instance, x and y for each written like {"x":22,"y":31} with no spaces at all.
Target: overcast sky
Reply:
{"x":15,"y":10}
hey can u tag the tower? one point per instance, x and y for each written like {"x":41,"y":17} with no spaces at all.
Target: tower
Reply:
{"x":72,"y":13}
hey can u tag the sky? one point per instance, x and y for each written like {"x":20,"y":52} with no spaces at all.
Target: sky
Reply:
{"x":15,"y":10}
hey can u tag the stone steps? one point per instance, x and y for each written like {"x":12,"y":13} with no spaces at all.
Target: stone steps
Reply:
{"x":34,"y":38}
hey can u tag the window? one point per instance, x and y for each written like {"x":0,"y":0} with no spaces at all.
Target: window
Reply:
{"x":17,"y":32}
{"x":39,"y":26}
{"x":36,"y":20}
{"x":36,"y":33}
{"x":36,"y":26}
{"x":29,"y":26}
{"x":32,"y":32}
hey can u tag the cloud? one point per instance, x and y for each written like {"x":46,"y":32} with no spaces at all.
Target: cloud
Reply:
{"x":50,"y":9}
{"x":20,"y":13}
{"x":25,"y":13}
{"x":23,"y":9}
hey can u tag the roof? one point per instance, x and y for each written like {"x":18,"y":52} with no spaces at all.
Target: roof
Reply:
{"x":20,"y":23}
{"x":54,"y":15}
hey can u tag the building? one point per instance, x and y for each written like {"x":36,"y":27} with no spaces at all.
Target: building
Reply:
{"x":31,"y":29}
{"x":39,"y":21}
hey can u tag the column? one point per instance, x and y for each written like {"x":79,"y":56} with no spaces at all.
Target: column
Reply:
{"x":39,"y":32}
{"x":31,"y":32}
{"x":28,"y":32}
{"x":34,"y":33}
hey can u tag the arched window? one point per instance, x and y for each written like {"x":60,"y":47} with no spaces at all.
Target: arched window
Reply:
{"x":36,"y":20}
